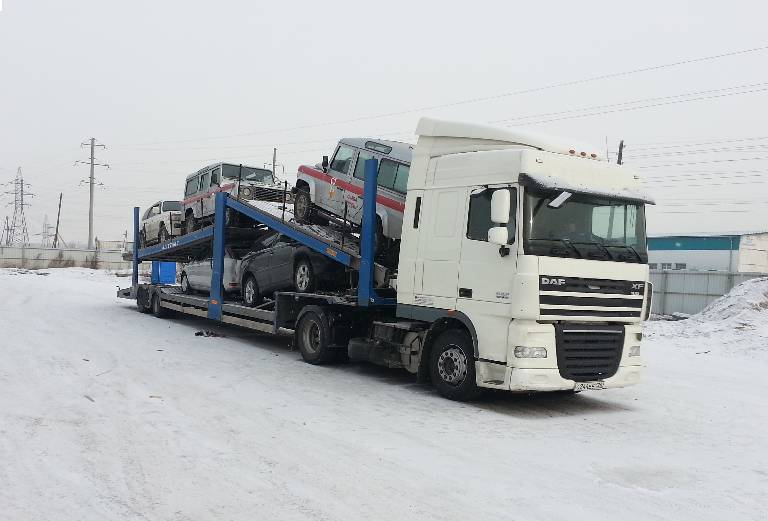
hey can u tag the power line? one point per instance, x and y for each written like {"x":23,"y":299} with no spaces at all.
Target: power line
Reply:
{"x":712,"y":161}
{"x":682,"y":144}
{"x":481,"y":99}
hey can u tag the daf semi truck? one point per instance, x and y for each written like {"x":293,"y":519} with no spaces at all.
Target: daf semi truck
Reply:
{"x":522,"y":267}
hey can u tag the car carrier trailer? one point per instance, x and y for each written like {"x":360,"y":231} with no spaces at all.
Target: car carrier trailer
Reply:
{"x":522,"y":267}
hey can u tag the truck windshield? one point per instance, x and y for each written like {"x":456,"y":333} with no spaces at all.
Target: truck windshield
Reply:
{"x":585,"y":227}
{"x":259,"y":175}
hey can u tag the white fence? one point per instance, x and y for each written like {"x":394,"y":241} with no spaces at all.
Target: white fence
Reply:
{"x":680,"y":291}
{"x":41,"y":258}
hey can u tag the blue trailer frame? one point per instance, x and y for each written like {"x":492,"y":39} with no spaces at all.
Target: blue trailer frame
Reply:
{"x":367,"y":295}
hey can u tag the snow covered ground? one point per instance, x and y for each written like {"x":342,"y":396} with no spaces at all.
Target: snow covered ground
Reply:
{"x":109,"y":414}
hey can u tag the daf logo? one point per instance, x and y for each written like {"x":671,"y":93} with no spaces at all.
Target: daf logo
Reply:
{"x":552,"y":282}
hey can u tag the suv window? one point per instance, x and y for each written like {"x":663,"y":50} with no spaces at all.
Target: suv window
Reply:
{"x":387,"y":173}
{"x":479,"y":221}
{"x":362,"y":157}
{"x":191,"y":186}
{"x":205,"y":181}
{"x":342,"y":159}
{"x":401,"y":181}
{"x":216,"y":176}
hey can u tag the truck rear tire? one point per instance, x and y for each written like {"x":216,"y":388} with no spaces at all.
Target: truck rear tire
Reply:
{"x":313,"y":336}
{"x":142,"y":300}
{"x":452,"y":366}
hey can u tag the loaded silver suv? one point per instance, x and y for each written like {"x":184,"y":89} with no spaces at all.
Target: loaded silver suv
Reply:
{"x":244,"y":182}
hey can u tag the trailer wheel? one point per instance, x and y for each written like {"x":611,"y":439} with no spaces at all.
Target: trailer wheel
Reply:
{"x":158,"y":310}
{"x":302,"y":206}
{"x":452,"y":366}
{"x":142,"y":300}
{"x":313,"y":336}
{"x":304,"y":276}
{"x":251,"y":293}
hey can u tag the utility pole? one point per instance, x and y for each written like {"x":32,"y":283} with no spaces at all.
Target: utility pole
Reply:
{"x":274,"y":162}
{"x":58,"y":217}
{"x":91,"y":182}
{"x":621,"y":152}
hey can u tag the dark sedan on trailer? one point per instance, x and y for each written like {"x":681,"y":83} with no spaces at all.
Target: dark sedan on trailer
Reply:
{"x":279,"y":263}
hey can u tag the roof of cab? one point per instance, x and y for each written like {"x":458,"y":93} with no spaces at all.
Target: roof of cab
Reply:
{"x":400,"y":151}
{"x":438,"y":128}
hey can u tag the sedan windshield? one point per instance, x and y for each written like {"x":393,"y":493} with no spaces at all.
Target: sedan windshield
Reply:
{"x":586,"y":227}
{"x":259,"y":175}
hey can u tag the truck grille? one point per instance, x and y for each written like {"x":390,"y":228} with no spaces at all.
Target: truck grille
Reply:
{"x":598,"y":299}
{"x":266,"y":194}
{"x":588,"y":352}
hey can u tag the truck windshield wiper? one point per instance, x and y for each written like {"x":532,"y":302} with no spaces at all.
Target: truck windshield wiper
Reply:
{"x":601,"y":247}
{"x":630,"y":248}
{"x":568,"y":244}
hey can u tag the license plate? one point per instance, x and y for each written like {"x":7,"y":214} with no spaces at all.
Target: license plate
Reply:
{"x":589,"y":386}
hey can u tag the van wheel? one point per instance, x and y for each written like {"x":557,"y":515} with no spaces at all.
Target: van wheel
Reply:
{"x":163,"y":235}
{"x":189,"y":224}
{"x":304,"y":276}
{"x":185,"y":283}
{"x":302,"y":206}
{"x":452,"y":366}
{"x":251,"y":294}
{"x":312,"y":337}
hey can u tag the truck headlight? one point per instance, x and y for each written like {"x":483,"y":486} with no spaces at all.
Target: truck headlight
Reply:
{"x":246,"y":192}
{"x":530,"y":352}
{"x":634,"y":351}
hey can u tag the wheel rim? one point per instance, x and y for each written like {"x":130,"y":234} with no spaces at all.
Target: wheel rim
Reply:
{"x":311,"y":336}
{"x":250,"y":291}
{"x":301,"y":205}
{"x":302,"y":277}
{"x":452,"y":365}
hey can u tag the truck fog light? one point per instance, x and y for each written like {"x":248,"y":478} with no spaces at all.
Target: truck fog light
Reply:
{"x":530,"y":352}
{"x":634,"y":351}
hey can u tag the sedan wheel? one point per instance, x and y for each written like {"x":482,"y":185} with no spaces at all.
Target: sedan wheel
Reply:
{"x":303,"y":276}
{"x":185,"y":283}
{"x":251,"y":295}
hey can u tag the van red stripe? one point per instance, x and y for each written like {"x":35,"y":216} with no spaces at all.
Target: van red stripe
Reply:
{"x":380,"y":199}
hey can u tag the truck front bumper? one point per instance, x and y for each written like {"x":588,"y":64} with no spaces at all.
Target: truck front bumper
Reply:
{"x":525,"y":379}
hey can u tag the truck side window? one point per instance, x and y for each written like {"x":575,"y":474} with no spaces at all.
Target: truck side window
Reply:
{"x":342,"y":159}
{"x":360,"y":166}
{"x":216,"y":176}
{"x":479,"y":221}
{"x":191,"y":186}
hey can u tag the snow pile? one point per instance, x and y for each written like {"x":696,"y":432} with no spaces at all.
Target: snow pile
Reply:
{"x":734,"y":324}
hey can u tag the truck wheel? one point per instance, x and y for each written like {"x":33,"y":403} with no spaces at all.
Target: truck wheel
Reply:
{"x":312,"y":338}
{"x":302,"y":206}
{"x":157,"y":309}
{"x":452,"y":366}
{"x":189,"y":224}
{"x":304,"y":276}
{"x":185,"y":283}
{"x":251,"y":294}
{"x":163,"y":235}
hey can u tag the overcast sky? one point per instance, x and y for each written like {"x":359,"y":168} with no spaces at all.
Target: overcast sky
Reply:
{"x":170,"y":86}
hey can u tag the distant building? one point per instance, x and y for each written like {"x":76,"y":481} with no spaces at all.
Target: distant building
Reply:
{"x":745,"y":252}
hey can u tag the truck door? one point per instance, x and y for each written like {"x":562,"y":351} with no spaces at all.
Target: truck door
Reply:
{"x":484,"y":275}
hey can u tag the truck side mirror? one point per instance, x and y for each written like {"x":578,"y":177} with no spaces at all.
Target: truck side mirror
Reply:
{"x":325,"y":163}
{"x":498,"y":235}
{"x":500,"y":205}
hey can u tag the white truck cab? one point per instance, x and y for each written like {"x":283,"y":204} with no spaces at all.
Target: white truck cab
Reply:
{"x":534,"y":248}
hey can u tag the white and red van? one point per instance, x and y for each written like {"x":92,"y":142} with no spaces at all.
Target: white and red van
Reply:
{"x":324,"y":190}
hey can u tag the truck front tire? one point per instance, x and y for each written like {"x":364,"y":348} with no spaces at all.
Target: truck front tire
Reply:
{"x":452,"y":366}
{"x":302,"y":206}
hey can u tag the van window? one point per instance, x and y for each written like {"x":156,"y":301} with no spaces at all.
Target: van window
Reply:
{"x":360,"y":166}
{"x":191,"y":186}
{"x":342,"y":159}
{"x":216,"y":176}
{"x":479,"y":221}
{"x":387,"y":173}
{"x":205,"y":181}
{"x":401,"y":181}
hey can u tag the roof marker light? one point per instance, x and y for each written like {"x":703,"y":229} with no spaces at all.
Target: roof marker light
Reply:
{"x":583,"y":154}
{"x":571,"y":151}
{"x":594,"y":156}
